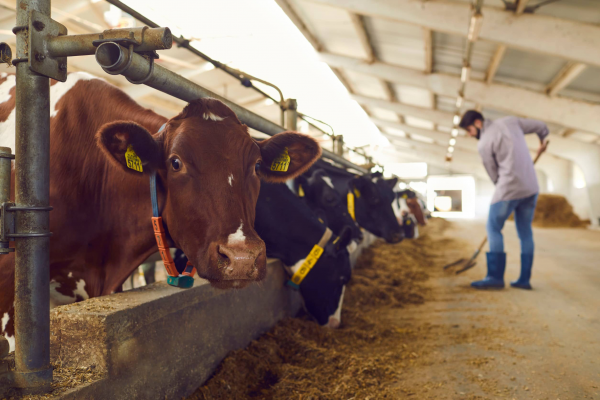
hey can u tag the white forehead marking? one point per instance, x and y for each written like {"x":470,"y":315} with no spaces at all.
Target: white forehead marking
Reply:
{"x":237,"y":236}
{"x":3,"y":75}
{"x":10,"y":339}
{"x":6,"y":87}
{"x":338,"y":313}
{"x":328,"y":181}
{"x":213,"y":117}
{"x":230,"y":179}
{"x":80,"y":290}
{"x":58,"y":90}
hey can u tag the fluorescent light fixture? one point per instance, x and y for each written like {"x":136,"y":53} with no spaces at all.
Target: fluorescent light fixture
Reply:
{"x":450,"y":149}
{"x":456,"y":119}
{"x":465,"y":73}
{"x":475,"y":27}
{"x":454,"y":132}
{"x":452,"y":142}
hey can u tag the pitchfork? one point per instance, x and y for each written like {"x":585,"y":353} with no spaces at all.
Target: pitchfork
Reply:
{"x":471,"y":262}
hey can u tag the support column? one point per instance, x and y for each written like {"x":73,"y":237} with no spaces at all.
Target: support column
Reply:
{"x":32,"y":189}
{"x":291,"y":115}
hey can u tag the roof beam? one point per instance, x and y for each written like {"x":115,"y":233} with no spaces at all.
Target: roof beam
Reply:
{"x":564,"y":38}
{"x":438,"y":117}
{"x":495,"y":63}
{"x":428,"y":40}
{"x":295,"y":18}
{"x":566,"y":75}
{"x":576,"y":114}
{"x":521,"y":4}
{"x":365,"y":42}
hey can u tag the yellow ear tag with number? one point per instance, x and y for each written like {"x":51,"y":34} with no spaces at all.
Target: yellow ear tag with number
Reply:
{"x":351,"y":205}
{"x":282,"y":162}
{"x":357,"y":192}
{"x":133,"y":161}
{"x":300,"y":191}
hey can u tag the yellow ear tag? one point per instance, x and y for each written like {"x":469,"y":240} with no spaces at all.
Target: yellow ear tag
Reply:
{"x":351,"y":205}
{"x":282,"y":162}
{"x":300,"y":191}
{"x":356,"y":192}
{"x":405,"y":196}
{"x":408,"y":222}
{"x":133,"y":161}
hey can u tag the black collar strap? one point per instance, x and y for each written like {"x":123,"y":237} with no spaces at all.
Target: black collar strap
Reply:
{"x":310,"y":260}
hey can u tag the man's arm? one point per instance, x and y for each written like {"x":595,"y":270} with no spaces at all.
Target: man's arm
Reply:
{"x":489,"y":162}
{"x":537,"y":127}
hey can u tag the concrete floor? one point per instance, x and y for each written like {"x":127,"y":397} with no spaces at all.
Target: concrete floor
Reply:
{"x":540,"y":344}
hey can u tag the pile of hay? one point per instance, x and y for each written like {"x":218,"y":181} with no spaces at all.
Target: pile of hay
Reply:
{"x":555,"y":211}
{"x":299,"y":359}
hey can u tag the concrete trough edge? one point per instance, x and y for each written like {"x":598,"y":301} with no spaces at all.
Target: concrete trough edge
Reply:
{"x":162,"y":342}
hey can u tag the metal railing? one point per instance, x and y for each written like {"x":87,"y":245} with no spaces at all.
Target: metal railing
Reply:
{"x":43,"y":48}
{"x":244,"y":79}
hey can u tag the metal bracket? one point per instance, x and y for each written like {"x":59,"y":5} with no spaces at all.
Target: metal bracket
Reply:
{"x":41,"y":27}
{"x":8,"y":225}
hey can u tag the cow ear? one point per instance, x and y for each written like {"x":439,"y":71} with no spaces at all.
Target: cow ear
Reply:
{"x":287,"y":155}
{"x":130,"y":146}
{"x":344,"y":239}
{"x":391,"y":182}
{"x":356,"y":184}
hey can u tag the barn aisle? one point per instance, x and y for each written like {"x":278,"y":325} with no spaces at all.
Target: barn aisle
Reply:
{"x":542,"y":344}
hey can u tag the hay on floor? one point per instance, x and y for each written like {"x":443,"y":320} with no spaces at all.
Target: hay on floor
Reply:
{"x":554,"y":211}
{"x":366,"y":357}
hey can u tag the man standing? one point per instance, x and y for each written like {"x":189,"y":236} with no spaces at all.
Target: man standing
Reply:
{"x":506,"y":158}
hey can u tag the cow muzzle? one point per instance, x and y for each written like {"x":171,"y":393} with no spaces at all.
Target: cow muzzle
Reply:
{"x":238,"y":264}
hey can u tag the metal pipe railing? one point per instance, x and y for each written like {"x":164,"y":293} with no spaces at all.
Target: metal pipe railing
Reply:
{"x":149,"y":39}
{"x":113,"y":58}
{"x":182,"y":42}
{"x":32,"y":191}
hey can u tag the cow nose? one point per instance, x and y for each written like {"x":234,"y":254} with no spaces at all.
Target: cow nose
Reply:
{"x":395,"y":237}
{"x":240,"y":262}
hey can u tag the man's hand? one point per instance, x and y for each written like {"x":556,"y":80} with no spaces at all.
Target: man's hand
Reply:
{"x":542,"y":148}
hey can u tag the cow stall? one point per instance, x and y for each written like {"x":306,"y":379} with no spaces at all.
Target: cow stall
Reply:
{"x":121,"y":336}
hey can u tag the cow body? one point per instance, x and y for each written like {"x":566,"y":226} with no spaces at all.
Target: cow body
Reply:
{"x":101,"y":219}
{"x":290,"y":230}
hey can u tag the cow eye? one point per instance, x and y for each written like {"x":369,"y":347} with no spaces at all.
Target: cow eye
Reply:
{"x":176,"y":164}
{"x":257,"y":167}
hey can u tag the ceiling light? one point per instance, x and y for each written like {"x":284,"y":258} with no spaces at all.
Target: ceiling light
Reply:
{"x":456,"y":119}
{"x":464,"y":73}
{"x":459,"y":102}
{"x":475,"y":27}
{"x":452,"y":142}
{"x":450,"y":149}
{"x":454,"y":132}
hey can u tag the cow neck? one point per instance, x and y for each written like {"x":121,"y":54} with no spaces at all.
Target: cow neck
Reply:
{"x":186,"y":279}
{"x":310,"y":260}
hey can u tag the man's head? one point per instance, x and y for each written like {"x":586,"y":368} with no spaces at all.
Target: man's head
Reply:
{"x":472,"y":122}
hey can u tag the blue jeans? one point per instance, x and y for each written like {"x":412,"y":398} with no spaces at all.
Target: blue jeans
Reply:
{"x":499,"y":213}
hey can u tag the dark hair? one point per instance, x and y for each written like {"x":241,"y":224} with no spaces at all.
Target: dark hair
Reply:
{"x":469,"y":118}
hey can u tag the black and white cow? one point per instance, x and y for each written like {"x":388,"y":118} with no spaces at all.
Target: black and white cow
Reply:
{"x":373,"y":197}
{"x":290,"y":230}
{"x":326,"y":202}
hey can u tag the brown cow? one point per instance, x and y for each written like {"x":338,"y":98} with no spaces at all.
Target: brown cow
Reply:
{"x":208,"y":178}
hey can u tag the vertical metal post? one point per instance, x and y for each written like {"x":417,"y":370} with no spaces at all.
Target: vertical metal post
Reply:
{"x":338,"y":145}
{"x":32,"y":189}
{"x":291,"y":115}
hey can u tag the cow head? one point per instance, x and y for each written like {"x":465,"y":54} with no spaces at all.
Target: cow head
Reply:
{"x":290,"y":230}
{"x":208,"y":177}
{"x":327,"y":203}
{"x":373,"y":197}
